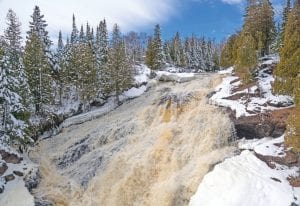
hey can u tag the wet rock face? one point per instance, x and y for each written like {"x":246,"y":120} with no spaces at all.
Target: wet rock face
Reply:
{"x":32,"y":179}
{"x":272,"y":124}
{"x":74,"y":153}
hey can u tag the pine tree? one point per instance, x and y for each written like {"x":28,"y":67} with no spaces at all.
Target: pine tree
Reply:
{"x":157,"y":56}
{"x":246,"y":56}
{"x":285,"y":14}
{"x":57,"y":73}
{"x":287,"y":71}
{"x":101,"y":52}
{"x":150,"y":53}
{"x":259,"y":23}
{"x":38,"y":61}
{"x":228,"y":53}
{"x":81,"y":35}
{"x":14,"y":90}
{"x":74,"y":34}
{"x":84,"y":73}
{"x":118,"y":64}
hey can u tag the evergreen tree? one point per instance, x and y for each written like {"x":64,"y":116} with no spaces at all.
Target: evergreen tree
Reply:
{"x":38,"y":61}
{"x":287,"y":71}
{"x":84,"y":73}
{"x":74,"y":34}
{"x":101,"y":51}
{"x":118,"y":64}
{"x":246,"y":56}
{"x":150,"y":53}
{"x":285,"y":14}
{"x":14,"y":90}
{"x":157,"y":56}
{"x":81,"y":35}
{"x":57,"y":73}
{"x":259,"y":23}
{"x":228,"y":53}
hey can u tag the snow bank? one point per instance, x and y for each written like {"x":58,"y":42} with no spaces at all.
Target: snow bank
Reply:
{"x":264,"y":146}
{"x":226,"y":71}
{"x":244,"y":180}
{"x":174,"y":77}
{"x":142,"y":74}
{"x":15,"y":193}
{"x":133,"y":92}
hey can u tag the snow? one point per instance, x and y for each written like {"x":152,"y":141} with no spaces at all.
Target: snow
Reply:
{"x":251,"y":105}
{"x":246,"y":180}
{"x":134,"y":92}
{"x":264,"y":146}
{"x":106,"y":108}
{"x":175,"y":77}
{"x":226,"y":71}
{"x":15,"y":193}
{"x":143,"y":74}
{"x":78,"y":119}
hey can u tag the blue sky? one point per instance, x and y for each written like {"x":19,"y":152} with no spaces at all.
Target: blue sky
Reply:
{"x":212,"y":18}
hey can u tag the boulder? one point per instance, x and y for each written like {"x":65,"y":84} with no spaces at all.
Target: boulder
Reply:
{"x":9,"y":177}
{"x":3,"y":168}
{"x":10,"y":157}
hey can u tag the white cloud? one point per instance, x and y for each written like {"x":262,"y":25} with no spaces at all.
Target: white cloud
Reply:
{"x":232,"y":1}
{"x":129,"y":14}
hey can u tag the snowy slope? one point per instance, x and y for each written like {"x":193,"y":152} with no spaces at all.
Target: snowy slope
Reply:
{"x":246,"y":180}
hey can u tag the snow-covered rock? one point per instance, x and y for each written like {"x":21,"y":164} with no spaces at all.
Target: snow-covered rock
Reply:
{"x":251,"y":105}
{"x":246,"y":180}
{"x":174,"y":77}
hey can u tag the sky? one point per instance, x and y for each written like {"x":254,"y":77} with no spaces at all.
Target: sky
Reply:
{"x":216,"y":19}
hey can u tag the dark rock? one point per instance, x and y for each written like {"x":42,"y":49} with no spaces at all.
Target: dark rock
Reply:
{"x":73,"y":154}
{"x":1,"y":189}
{"x":9,"y":177}
{"x":275,"y":179}
{"x":3,"y":169}
{"x":211,"y":94}
{"x":10,"y":157}
{"x":32,"y":179}
{"x":20,"y":174}
{"x":280,"y":104}
{"x":42,"y":202}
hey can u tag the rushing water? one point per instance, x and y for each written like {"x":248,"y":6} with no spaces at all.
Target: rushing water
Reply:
{"x":153,"y":150}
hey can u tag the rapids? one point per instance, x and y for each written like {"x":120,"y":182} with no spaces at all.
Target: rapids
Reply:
{"x":152,"y":150}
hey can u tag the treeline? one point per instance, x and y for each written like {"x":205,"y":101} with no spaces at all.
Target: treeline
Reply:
{"x":193,"y":53}
{"x":33,"y":78}
{"x":259,"y":37}
{"x":90,"y":66}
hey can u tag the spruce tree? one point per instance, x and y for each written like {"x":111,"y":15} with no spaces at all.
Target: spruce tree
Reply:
{"x":74,"y":34}
{"x":287,"y":71}
{"x":246,"y":56}
{"x":285,"y":14}
{"x":101,"y":52}
{"x":38,"y":61}
{"x":14,"y":90}
{"x":150,"y":53}
{"x":157,"y":56}
{"x":118,"y":64}
{"x":228,"y":53}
